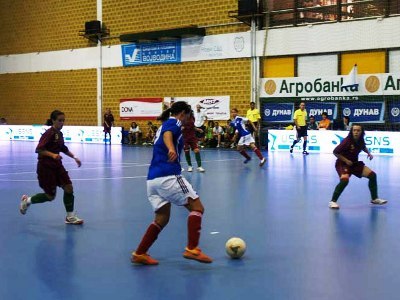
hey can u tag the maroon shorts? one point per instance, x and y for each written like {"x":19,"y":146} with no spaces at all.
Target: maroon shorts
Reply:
{"x":356,"y":169}
{"x":190,"y":143}
{"x":51,"y":177}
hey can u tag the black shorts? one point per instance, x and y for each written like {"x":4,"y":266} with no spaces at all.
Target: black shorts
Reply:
{"x":200,"y":135}
{"x":251,"y":129}
{"x":301,"y":132}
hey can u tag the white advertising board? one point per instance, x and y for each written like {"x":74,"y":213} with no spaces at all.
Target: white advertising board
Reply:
{"x":324,"y":141}
{"x":72,"y":134}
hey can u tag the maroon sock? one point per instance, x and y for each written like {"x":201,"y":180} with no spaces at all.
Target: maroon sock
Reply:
{"x":194,"y":228}
{"x":258,"y":152}
{"x":244,"y":153}
{"x":149,"y":238}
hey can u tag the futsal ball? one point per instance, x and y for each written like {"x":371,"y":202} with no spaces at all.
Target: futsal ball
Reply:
{"x":235,"y":247}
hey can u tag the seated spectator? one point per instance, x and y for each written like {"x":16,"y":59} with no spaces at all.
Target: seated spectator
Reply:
{"x":312,"y":125}
{"x":3,"y":121}
{"x":151,"y":133}
{"x":229,"y":133}
{"x":208,"y":140}
{"x":345,"y":124}
{"x":218,"y":133}
{"x":325,"y":123}
{"x":134,"y":134}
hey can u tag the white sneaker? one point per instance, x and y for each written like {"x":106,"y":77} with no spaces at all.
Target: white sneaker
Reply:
{"x":190,"y":169}
{"x":73,"y":219}
{"x":218,"y":146}
{"x":378,"y":201}
{"x":23,"y":206}
{"x":333,"y":205}
{"x":262,"y":162}
{"x":201,"y":169}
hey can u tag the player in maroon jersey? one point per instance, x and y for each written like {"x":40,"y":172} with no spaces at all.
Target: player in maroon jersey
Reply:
{"x":347,"y":164}
{"x":51,"y":172}
{"x":190,"y":142}
{"x":108,"y":123}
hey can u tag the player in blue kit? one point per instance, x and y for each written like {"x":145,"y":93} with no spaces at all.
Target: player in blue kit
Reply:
{"x":165,"y":185}
{"x":246,"y":139}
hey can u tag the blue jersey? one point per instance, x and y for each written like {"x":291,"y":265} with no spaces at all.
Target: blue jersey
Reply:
{"x":160,"y":166}
{"x":239,"y":123}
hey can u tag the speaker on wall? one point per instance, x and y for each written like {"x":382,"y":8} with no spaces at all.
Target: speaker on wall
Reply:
{"x":93,"y":27}
{"x":247,"y":7}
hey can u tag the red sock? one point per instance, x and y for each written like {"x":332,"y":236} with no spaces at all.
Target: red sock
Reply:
{"x":244,"y":153}
{"x":194,"y":227}
{"x":149,"y":238}
{"x":257,"y":151}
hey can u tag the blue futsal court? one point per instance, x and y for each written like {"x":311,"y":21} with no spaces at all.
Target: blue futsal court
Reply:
{"x":297,"y":247}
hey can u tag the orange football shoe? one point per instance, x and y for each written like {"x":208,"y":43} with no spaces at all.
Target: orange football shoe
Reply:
{"x":143,"y":259}
{"x":196,"y":254}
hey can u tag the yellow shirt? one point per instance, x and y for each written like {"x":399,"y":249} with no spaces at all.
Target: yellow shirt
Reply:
{"x":301,"y":117}
{"x":253,"y":115}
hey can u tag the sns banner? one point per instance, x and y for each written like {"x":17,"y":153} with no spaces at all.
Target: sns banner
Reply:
{"x":364,"y":112}
{"x":140,"y":108}
{"x":317,"y":108}
{"x":72,"y":134}
{"x":378,"y":142}
{"x":151,"y":53}
{"x":394,"y":112}
{"x":277,"y":112}
{"x":215,"y":107}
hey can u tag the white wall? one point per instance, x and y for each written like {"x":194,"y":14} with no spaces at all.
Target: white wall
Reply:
{"x":323,"y":65}
{"x":394,"y":61}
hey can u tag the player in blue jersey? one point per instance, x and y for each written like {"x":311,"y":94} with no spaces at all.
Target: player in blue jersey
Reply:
{"x":246,"y":139}
{"x":165,"y":185}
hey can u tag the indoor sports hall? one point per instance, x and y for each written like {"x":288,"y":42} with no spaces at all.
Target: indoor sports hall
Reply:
{"x":298,"y":82}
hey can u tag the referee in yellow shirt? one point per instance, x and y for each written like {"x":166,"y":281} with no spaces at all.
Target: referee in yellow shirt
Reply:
{"x":300,"y":120}
{"x":253,"y":114}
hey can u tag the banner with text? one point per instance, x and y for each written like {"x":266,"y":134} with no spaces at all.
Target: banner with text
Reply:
{"x":72,"y":134}
{"x":364,"y":112}
{"x":151,"y":53}
{"x":322,"y":88}
{"x":140,"y":108}
{"x":277,"y":112}
{"x":394,"y":112}
{"x":215,"y":107}
{"x":317,"y":108}
{"x":378,"y":142}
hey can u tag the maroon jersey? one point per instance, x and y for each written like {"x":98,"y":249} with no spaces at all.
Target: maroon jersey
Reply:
{"x":53,"y":141}
{"x":350,"y":149}
{"x":188,"y":131}
{"x":108,"y":120}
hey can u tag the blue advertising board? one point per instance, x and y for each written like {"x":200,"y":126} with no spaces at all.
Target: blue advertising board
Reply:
{"x":394,"y":112}
{"x":151,"y":53}
{"x":364,"y":112}
{"x":317,"y":108}
{"x":277,"y":112}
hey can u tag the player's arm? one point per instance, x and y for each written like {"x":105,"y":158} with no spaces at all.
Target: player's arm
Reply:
{"x":369,"y":155}
{"x":169,"y":143}
{"x":77,"y":160}
{"x":341,"y":148}
{"x":295,"y":120}
{"x":43,"y":152}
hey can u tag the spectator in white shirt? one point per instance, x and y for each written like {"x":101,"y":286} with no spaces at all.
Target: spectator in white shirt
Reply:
{"x":134,"y":134}
{"x":218,"y":132}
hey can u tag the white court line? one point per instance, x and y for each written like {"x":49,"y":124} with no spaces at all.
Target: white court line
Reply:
{"x":76,"y":179}
{"x":111,"y":167}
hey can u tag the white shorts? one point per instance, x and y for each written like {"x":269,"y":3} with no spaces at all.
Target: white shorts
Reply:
{"x":246,"y":140}
{"x":169,"y":189}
